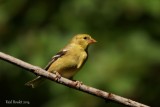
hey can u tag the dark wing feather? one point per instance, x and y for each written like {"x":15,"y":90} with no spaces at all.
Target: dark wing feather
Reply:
{"x":54,"y":58}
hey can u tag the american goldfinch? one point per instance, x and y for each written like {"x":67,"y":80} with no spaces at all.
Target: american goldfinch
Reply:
{"x":69,"y":60}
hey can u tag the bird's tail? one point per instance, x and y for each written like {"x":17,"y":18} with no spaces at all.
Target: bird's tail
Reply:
{"x":35,"y":82}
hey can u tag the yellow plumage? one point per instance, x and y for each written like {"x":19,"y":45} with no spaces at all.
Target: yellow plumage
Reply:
{"x":69,"y":60}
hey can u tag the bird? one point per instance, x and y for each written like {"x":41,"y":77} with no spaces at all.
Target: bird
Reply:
{"x":69,"y":60}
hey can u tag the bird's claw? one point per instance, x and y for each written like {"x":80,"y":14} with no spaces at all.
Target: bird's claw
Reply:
{"x":58,"y":76}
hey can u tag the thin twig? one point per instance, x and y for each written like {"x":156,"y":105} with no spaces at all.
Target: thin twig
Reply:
{"x":69,"y":83}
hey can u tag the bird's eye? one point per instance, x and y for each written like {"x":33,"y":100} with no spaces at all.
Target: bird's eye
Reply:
{"x":85,"y":38}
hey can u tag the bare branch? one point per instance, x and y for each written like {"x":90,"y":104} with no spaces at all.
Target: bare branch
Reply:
{"x":69,"y":83}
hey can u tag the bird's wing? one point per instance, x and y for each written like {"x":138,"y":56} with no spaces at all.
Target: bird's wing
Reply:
{"x":54,"y":58}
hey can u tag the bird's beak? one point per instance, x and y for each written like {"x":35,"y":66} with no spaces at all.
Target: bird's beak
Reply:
{"x":92,"y":41}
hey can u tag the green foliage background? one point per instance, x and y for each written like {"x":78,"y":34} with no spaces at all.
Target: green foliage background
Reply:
{"x":124,"y":61}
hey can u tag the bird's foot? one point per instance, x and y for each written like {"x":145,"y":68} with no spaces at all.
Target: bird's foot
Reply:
{"x":58,"y":76}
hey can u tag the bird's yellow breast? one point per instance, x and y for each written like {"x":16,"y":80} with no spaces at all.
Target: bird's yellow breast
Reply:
{"x":67,"y":65}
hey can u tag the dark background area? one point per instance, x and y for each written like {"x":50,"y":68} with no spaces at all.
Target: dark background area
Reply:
{"x":125,"y":60}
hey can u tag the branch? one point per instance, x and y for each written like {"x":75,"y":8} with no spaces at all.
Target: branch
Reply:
{"x":69,"y":83}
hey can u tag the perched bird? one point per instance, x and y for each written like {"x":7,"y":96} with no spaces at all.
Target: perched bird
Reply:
{"x":69,"y":60}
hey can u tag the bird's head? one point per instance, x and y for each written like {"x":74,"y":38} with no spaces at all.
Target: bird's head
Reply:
{"x":84,"y":40}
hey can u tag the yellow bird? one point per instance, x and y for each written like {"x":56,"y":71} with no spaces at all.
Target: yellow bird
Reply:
{"x":69,"y":60}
